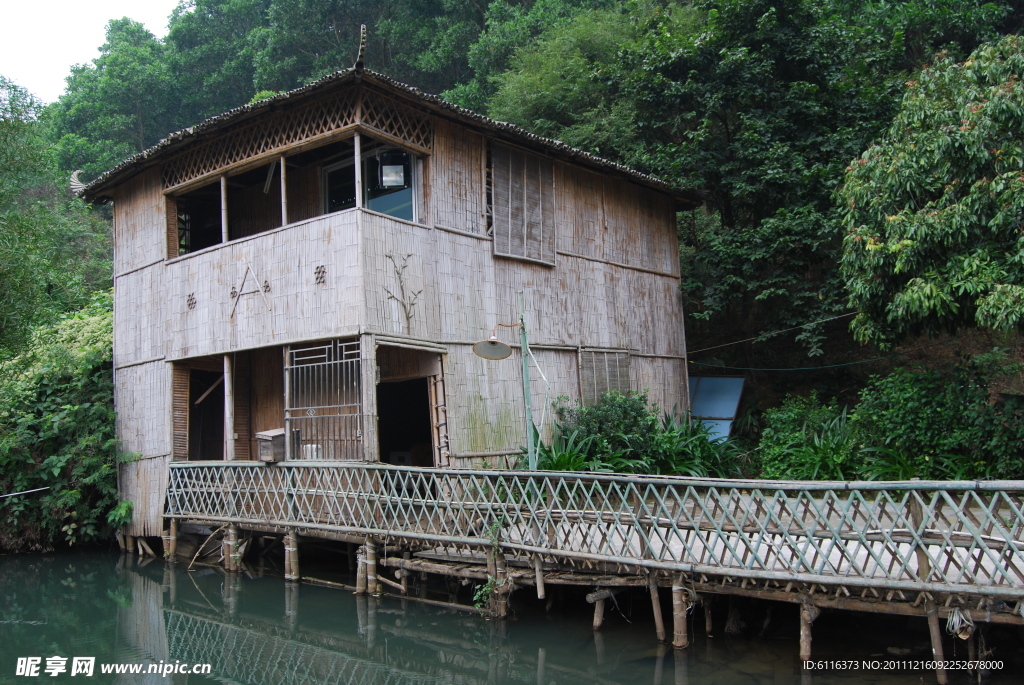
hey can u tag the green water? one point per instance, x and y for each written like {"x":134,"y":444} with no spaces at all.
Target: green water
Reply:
{"x":260,"y":630}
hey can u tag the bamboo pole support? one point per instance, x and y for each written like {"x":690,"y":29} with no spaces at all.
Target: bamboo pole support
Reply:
{"x":680,"y":605}
{"x":659,"y":621}
{"x":224,"y":233}
{"x":503,"y":585}
{"x":924,"y":572}
{"x":936,"y":636}
{"x":291,"y":554}
{"x":230,"y":549}
{"x":405,"y":574}
{"x":172,"y":545}
{"x":361,"y":571}
{"x":229,"y":408}
{"x":538,"y":576}
{"x":144,"y":547}
{"x":129,"y":543}
{"x":284,"y":191}
{"x":291,"y":605}
{"x":808,"y":613}
{"x":709,"y":626}
{"x":371,"y":566}
{"x":598,"y":614}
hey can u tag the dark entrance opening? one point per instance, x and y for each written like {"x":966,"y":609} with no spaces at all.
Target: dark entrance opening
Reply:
{"x":403,"y":423}
{"x":206,"y":419}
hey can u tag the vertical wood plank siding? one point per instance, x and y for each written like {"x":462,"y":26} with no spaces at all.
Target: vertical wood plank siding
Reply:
{"x":140,"y":327}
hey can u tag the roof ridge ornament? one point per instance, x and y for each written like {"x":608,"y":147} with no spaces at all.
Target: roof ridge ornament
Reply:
{"x":358,"y":66}
{"x":76,"y":185}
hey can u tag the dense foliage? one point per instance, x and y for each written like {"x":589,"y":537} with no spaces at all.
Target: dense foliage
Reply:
{"x":53,"y":251}
{"x":57,"y":432}
{"x":624,"y":434}
{"x":913,"y":423}
{"x":934,"y":210}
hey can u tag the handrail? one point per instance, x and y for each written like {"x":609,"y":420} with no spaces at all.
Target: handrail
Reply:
{"x":962,"y":536}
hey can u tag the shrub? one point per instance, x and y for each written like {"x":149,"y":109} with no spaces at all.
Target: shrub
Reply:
{"x":624,"y":434}
{"x":945,"y":423}
{"x":805,"y":439}
{"x":57,"y":431}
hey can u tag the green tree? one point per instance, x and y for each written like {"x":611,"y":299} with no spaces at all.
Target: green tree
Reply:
{"x":120,"y":104}
{"x":933,"y":211}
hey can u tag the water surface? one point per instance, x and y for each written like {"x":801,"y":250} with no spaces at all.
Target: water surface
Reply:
{"x":257,"y":630}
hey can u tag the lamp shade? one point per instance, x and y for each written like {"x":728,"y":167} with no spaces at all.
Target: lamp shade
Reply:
{"x":492,"y":349}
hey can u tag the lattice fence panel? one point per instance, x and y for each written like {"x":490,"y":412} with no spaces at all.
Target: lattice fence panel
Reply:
{"x":268,"y":133}
{"x":396,"y":119}
{"x":912,"y":536}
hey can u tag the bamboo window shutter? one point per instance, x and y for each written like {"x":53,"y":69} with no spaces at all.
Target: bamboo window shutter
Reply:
{"x":603,"y":371}
{"x":523,"y":205}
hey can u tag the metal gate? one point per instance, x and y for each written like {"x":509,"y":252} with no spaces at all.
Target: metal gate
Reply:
{"x":323,"y":397}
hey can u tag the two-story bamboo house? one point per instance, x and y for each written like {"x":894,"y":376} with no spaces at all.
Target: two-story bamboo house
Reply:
{"x":322,"y":262}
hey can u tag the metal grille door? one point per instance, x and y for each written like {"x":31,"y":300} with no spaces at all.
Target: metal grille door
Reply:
{"x":323,"y":416}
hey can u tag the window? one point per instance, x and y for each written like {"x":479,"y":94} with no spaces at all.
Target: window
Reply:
{"x":522,"y":190}
{"x":388,"y":182}
{"x":603,"y":371}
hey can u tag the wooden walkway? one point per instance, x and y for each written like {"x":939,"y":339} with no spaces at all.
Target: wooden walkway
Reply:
{"x":916,"y":548}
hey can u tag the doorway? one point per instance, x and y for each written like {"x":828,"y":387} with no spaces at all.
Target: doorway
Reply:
{"x":206,"y":415}
{"x":403,"y":423}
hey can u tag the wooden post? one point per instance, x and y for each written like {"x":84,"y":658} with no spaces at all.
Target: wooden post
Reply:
{"x":291,"y":553}
{"x":503,"y":586}
{"x":129,"y":543}
{"x":172,"y":545}
{"x":538,"y":576}
{"x":224,"y":233}
{"x":229,"y":409}
{"x":405,"y":574}
{"x":371,"y":566}
{"x":357,"y":143}
{"x":598,"y":614}
{"x":229,"y":549}
{"x":709,"y":628}
{"x":284,"y":192}
{"x":936,"y":635}
{"x":361,"y":571}
{"x":808,"y":612}
{"x":680,"y":605}
{"x":659,"y":621}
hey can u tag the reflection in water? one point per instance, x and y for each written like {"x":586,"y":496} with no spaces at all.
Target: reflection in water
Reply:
{"x":256,"y":631}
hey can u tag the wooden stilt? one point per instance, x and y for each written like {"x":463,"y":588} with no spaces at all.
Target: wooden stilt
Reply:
{"x":291,"y":551}
{"x":361,"y":571}
{"x":405,"y":574}
{"x":808,"y":612}
{"x":503,"y":586}
{"x":599,"y":647}
{"x":659,"y":621}
{"x":936,"y":635}
{"x":538,"y":576}
{"x":423,"y":584}
{"x":709,"y":626}
{"x":129,"y":541}
{"x":680,"y":605}
{"x":172,"y":545}
{"x":144,"y":547}
{"x":598,"y":614}
{"x":230,"y":549}
{"x":371,"y":566}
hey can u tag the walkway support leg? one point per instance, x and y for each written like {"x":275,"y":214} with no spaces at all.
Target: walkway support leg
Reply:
{"x":291,"y":556}
{"x":709,"y":627}
{"x":808,"y":612}
{"x":659,"y":621}
{"x":371,"y":566}
{"x":538,"y":575}
{"x":229,"y":548}
{"x":172,"y":544}
{"x":936,"y":635}
{"x":361,"y":571}
{"x":680,"y":606}
{"x":598,"y":614}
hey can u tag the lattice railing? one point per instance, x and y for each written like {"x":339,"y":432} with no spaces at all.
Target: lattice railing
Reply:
{"x":276,"y":132}
{"x":958,"y":536}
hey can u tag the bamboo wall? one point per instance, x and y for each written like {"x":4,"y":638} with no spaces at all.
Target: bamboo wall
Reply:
{"x":139,"y":222}
{"x":141,"y":395}
{"x":144,"y":483}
